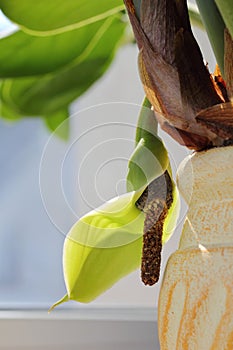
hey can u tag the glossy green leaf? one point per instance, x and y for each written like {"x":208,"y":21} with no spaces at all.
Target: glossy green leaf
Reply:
{"x":226,"y":9}
{"x":215,"y":28}
{"x":149,"y":159}
{"x":24,"y":55}
{"x":58,"y":123}
{"x":44,"y":17}
{"x":47,"y":94}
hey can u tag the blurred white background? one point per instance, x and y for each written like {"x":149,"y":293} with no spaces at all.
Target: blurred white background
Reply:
{"x":93,"y":171}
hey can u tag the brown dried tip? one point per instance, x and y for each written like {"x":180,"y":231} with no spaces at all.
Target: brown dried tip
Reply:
{"x":155,"y":203}
{"x":175,"y":78}
{"x":220,"y":84}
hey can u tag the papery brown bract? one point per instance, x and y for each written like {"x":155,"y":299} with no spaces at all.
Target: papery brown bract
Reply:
{"x":228,"y":63}
{"x":218,"y":119}
{"x":175,"y":79}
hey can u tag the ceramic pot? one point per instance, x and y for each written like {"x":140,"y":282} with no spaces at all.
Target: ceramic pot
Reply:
{"x":196,"y":297}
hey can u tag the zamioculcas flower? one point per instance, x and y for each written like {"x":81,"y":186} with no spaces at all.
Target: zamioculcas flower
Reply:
{"x":106,"y":244}
{"x":194,"y":108}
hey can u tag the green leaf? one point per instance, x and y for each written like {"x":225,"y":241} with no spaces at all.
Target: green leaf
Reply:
{"x":50,"y":93}
{"x":7,"y":113}
{"x":44,"y":17}
{"x":215,"y":28}
{"x":195,"y":17}
{"x":226,"y":9}
{"x":102,"y":247}
{"x":24,"y":55}
{"x":58,"y":123}
{"x":149,"y":159}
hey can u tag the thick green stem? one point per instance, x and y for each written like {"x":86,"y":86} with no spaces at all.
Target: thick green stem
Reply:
{"x":146,"y":121}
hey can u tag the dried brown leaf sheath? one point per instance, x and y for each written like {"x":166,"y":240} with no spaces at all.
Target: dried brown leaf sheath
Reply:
{"x":228,"y":63}
{"x":172,"y":70}
{"x":154,"y":202}
{"x":219,"y":119}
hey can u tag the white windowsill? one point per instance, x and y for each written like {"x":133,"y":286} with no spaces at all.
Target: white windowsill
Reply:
{"x":85,"y":329}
